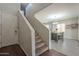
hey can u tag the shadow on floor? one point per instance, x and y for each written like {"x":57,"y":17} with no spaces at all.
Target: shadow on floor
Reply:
{"x":13,"y":50}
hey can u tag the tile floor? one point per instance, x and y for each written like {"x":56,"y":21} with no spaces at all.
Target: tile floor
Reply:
{"x":67,"y":46}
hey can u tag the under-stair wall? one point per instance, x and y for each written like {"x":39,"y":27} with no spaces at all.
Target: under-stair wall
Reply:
{"x":26,"y":35}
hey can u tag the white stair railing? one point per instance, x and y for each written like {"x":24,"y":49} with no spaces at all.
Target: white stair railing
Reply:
{"x":26,"y":35}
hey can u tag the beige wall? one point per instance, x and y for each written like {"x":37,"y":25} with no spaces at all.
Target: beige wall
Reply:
{"x":0,"y":28}
{"x":26,"y":35}
{"x":78,"y":28}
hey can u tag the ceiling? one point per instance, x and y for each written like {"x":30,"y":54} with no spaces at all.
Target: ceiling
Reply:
{"x":58,"y":11}
{"x":33,"y":8}
{"x":24,"y":4}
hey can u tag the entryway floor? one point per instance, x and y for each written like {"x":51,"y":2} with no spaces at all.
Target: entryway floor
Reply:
{"x":13,"y":50}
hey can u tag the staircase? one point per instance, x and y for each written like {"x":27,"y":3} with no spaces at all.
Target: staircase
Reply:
{"x":30,"y":41}
{"x":40,"y":45}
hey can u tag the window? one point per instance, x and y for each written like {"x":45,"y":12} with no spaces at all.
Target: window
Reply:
{"x":60,"y":28}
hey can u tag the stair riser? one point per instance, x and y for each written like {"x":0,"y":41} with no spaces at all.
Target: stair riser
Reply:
{"x":39,"y":40}
{"x":40,"y":46}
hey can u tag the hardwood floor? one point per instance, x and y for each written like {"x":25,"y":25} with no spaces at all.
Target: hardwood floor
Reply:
{"x":52,"y":53}
{"x":13,"y":50}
